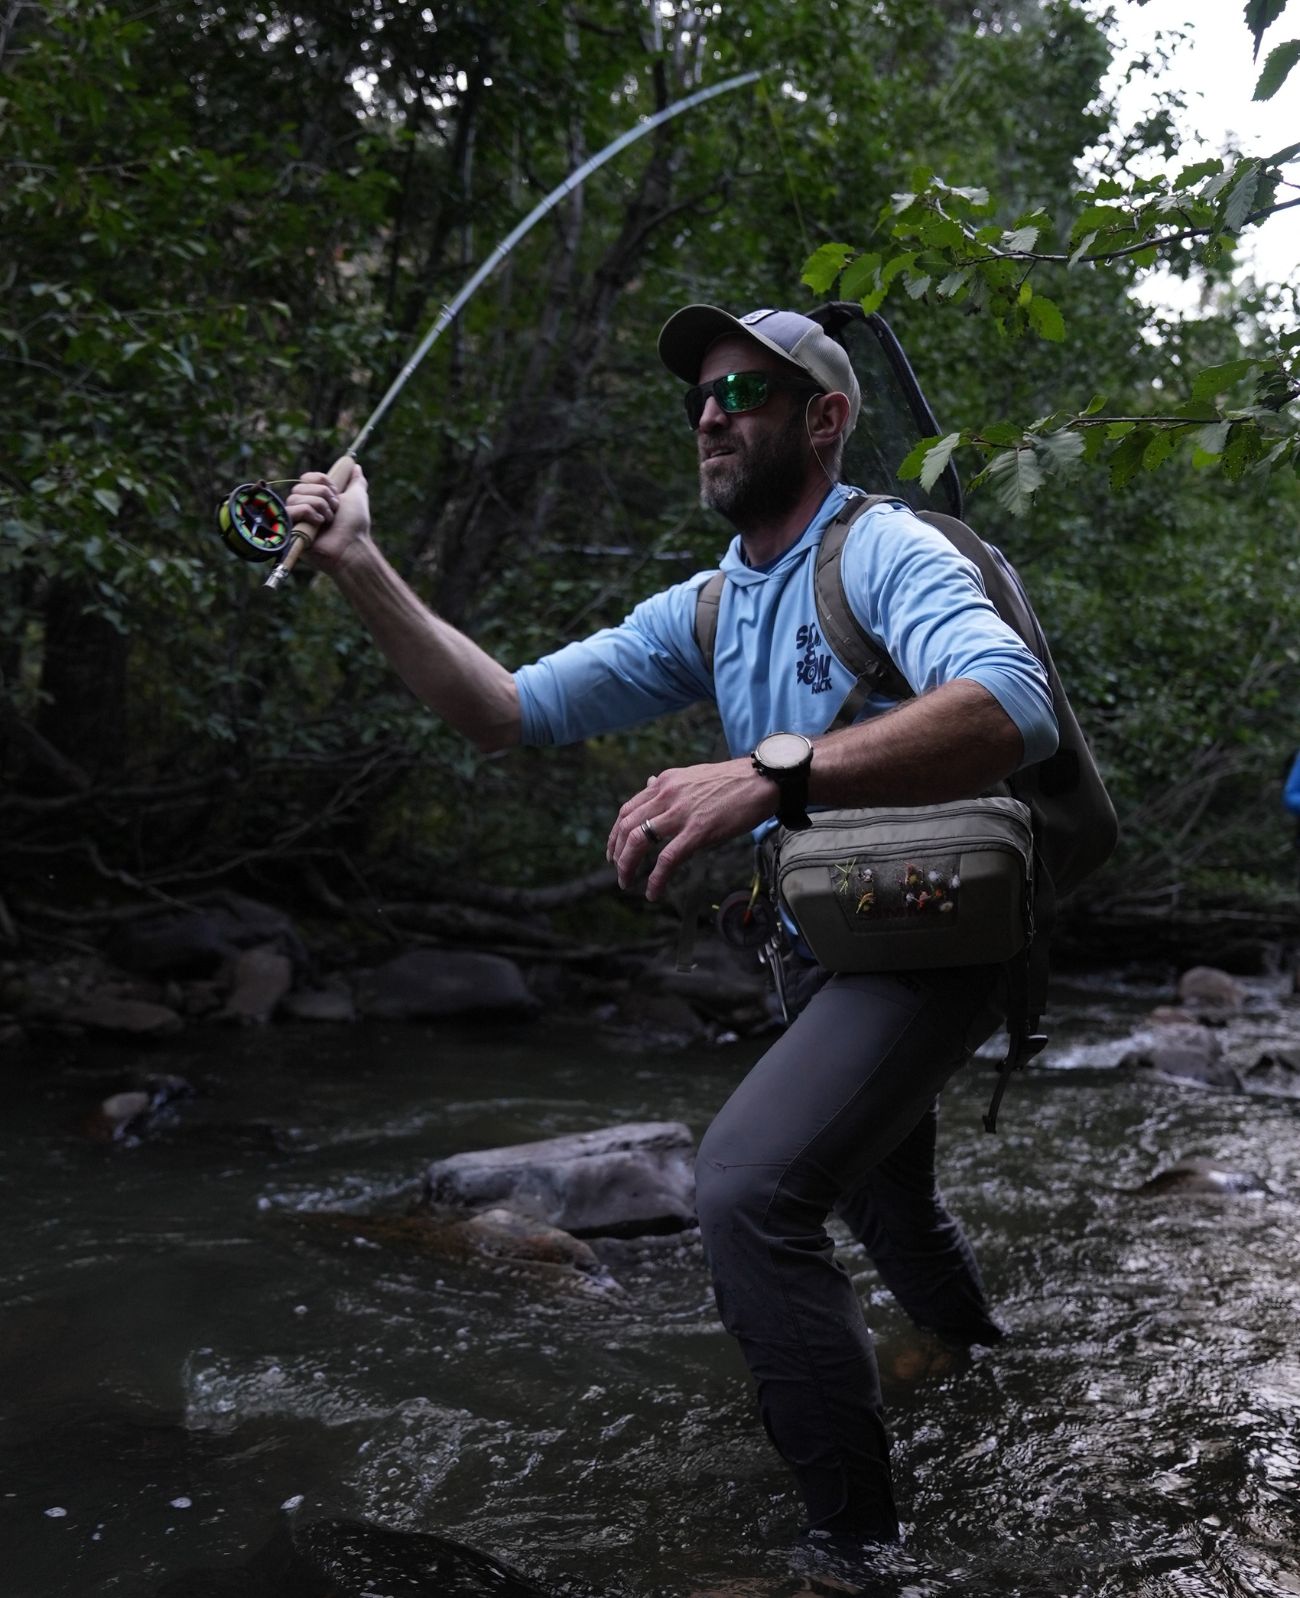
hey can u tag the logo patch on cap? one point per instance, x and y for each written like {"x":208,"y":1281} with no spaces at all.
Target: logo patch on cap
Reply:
{"x":755,"y":316}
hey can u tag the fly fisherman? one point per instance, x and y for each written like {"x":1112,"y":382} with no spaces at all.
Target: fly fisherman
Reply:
{"x":839,"y":1114}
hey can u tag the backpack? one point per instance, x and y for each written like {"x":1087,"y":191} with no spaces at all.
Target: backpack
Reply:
{"x":1074,"y":823}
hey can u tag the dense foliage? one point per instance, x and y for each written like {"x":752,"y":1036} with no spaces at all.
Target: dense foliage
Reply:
{"x":225,"y":231}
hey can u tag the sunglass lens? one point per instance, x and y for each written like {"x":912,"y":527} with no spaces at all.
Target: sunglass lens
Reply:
{"x":741,"y":391}
{"x":737,"y":391}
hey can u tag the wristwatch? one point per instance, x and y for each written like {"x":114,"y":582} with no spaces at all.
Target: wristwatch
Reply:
{"x":786,"y":757}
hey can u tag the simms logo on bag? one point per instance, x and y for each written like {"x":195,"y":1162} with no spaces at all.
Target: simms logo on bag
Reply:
{"x":812,"y":668}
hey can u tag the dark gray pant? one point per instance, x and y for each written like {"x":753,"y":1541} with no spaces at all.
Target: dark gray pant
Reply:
{"x":839,"y":1115}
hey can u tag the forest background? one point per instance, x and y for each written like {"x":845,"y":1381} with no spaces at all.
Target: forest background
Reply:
{"x":224,"y":229}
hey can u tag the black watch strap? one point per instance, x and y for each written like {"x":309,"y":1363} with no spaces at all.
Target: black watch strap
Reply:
{"x":791,"y":779}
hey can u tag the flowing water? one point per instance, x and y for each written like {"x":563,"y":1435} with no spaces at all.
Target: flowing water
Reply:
{"x":186,"y":1364}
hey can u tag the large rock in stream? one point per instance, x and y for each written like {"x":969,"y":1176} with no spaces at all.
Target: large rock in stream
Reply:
{"x":354,"y":1559}
{"x":619,"y":1181}
{"x":435,"y":984}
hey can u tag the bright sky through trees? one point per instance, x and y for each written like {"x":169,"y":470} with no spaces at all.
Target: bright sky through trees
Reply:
{"x":1214,"y":69}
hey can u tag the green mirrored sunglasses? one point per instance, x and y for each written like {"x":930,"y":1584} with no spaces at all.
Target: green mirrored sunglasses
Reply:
{"x":740,"y":391}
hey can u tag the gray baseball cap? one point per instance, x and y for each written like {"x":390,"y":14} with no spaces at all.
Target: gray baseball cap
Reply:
{"x":687,"y":335}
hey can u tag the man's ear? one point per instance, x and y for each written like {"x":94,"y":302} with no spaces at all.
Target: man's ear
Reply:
{"x":827,"y":417}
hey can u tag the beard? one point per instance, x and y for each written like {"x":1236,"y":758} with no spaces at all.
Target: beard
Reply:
{"x":760,"y":479}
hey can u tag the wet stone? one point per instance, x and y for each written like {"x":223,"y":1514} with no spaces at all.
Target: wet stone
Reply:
{"x":1209,"y":988}
{"x":434,"y":984}
{"x":105,"y":1011}
{"x":354,"y":1559}
{"x":1190,"y":1053}
{"x":620,"y":1180}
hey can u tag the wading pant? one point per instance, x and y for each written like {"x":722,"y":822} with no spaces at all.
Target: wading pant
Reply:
{"x":840,"y":1115}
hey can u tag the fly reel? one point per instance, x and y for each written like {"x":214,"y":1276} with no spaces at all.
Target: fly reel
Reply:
{"x":254,"y":523}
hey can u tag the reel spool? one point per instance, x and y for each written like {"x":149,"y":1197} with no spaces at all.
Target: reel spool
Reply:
{"x":746,"y":920}
{"x":254,"y":523}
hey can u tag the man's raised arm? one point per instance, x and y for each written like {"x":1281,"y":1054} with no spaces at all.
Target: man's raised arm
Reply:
{"x":448,"y":671}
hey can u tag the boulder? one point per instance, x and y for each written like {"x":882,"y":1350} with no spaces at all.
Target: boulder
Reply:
{"x":174,"y":943}
{"x":435,"y":984}
{"x":103,"y":1010}
{"x":1190,"y":1052}
{"x":333,"y":1002}
{"x":620,"y":1180}
{"x":659,"y":1018}
{"x":355,"y":1559}
{"x":1205,"y":987}
{"x":259,"y":981}
{"x":198,"y":940}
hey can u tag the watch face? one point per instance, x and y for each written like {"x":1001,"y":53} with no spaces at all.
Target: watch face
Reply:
{"x":783,"y":751}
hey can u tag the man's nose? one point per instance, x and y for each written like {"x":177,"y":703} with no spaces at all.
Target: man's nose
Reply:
{"x":711,"y":417}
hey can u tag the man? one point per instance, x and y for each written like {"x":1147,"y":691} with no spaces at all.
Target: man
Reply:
{"x":839,"y":1113}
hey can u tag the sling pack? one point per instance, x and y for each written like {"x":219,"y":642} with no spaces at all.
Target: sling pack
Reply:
{"x":1074,"y":828}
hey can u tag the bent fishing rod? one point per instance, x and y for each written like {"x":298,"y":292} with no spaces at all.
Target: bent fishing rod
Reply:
{"x":254,"y":521}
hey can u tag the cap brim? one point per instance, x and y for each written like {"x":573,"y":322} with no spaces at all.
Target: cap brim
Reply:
{"x":685,"y":338}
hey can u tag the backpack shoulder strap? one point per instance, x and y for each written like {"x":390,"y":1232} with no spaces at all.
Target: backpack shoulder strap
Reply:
{"x":707,"y":599}
{"x":873,"y":670}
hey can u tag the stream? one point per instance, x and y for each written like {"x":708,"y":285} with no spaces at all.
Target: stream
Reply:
{"x":187,"y":1367}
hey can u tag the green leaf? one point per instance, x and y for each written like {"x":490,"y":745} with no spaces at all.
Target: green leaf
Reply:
{"x":1063,"y":449}
{"x":1237,"y":206}
{"x":1021,"y":241}
{"x":1015,"y":477}
{"x":915,"y":460}
{"x":1213,"y":440}
{"x":1214,"y":380}
{"x":1280,"y":157}
{"x":1261,"y":15}
{"x":917,"y":287}
{"x":824,"y":265}
{"x":1277,"y":68}
{"x":936,"y":460}
{"x":1126,"y":457}
{"x":1199,"y":169}
{"x":1082,"y":248}
{"x":1159,"y":449}
{"x":859,"y":276}
{"x":954,"y":282}
{"x":895,"y":265}
{"x":1095,"y":404}
{"x":111,"y":502}
{"x":1045,"y":319}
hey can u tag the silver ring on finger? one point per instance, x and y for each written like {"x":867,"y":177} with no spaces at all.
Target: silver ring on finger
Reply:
{"x":651,"y":835}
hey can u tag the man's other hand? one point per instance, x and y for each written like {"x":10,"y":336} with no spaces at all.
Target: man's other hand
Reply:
{"x":684,"y":810}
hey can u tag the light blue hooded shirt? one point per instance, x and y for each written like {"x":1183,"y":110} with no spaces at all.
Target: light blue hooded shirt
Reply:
{"x":917,"y":597}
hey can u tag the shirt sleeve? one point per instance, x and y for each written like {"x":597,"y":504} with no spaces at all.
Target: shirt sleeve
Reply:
{"x":925,"y":603}
{"x":650,"y":663}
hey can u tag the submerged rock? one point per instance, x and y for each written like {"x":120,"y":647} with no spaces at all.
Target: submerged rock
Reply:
{"x":497,"y":1234}
{"x":1190,"y":1052}
{"x":1198,"y":1176}
{"x":354,"y":1559}
{"x":620,"y":1180}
